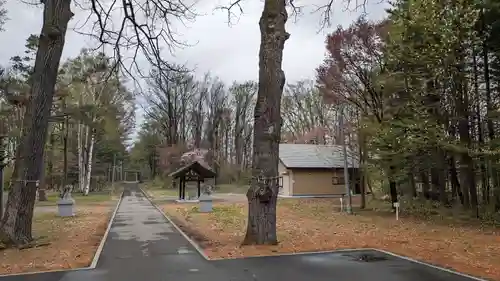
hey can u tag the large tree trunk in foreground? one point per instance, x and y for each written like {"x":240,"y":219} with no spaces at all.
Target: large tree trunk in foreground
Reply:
{"x":262,"y":194}
{"x":15,"y":227}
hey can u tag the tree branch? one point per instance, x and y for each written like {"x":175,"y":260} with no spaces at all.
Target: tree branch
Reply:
{"x":146,"y":27}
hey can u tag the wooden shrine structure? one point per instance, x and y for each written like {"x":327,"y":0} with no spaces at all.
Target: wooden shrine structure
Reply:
{"x":193,"y":172}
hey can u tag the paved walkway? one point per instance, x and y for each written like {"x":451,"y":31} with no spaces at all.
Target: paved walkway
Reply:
{"x":143,"y":245}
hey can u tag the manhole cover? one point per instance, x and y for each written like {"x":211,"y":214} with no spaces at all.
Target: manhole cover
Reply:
{"x":369,"y":258}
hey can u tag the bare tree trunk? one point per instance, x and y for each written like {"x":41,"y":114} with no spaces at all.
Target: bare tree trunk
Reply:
{"x":47,"y":179}
{"x":238,"y":137}
{"x":467,"y":173}
{"x":88,"y":165}
{"x":485,"y":181}
{"x":490,"y":109}
{"x":79,"y":142}
{"x":50,"y":164}
{"x":424,"y":179}
{"x":85,"y":157}
{"x":227,"y":127}
{"x":65,"y":148}
{"x":362,"y":149}
{"x":413,"y":185}
{"x":16,"y":226}
{"x":263,"y":194}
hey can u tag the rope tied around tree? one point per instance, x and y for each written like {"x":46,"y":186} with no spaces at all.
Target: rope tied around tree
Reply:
{"x":267,"y":187}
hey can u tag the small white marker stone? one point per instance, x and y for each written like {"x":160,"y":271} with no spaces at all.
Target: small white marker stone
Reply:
{"x":396,"y":205}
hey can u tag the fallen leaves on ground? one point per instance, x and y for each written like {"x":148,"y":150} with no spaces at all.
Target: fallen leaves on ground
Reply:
{"x":317,"y":225}
{"x":73,"y":242}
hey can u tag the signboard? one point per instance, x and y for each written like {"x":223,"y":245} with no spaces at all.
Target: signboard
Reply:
{"x":191,"y":176}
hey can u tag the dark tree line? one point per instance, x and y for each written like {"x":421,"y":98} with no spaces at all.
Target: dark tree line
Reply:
{"x":425,"y":85}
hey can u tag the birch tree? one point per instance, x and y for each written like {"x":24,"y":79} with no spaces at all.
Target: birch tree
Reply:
{"x":95,"y":93}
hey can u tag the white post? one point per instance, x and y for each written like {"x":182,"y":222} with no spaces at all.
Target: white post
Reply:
{"x":341,"y":204}
{"x":396,"y":205}
{"x":346,"y":164}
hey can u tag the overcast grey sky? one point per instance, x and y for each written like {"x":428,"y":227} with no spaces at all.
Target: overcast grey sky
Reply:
{"x":228,"y":52}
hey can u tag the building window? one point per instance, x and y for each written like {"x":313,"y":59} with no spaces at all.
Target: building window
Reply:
{"x":338,"y":178}
{"x":280,"y":182}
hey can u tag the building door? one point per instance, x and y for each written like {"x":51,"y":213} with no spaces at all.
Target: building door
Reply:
{"x":284,"y":185}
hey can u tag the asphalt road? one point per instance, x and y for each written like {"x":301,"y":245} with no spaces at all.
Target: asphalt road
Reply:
{"x":144,"y":245}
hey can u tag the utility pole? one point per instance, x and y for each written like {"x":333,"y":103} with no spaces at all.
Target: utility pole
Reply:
{"x":113,"y":172}
{"x":346,"y":164}
{"x":122,"y":172}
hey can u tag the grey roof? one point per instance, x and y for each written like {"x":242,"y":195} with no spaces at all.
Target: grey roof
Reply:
{"x":315,"y":156}
{"x":197,"y":167}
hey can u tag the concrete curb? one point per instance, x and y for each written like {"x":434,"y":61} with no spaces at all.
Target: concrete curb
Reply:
{"x":430,"y":265}
{"x":299,"y":254}
{"x":93,"y":264}
{"x":194,"y":244}
{"x":105,"y":236}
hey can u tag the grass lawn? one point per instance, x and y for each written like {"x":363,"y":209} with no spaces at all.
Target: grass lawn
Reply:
{"x":317,"y":225}
{"x":231,"y":188}
{"x":96,"y":198}
{"x":157,"y":191}
{"x":73,"y":241}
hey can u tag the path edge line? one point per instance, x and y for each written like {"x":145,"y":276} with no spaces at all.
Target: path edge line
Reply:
{"x":429,"y":265}
{"x":191,"y":241}
{"x":92,"y":265}
{"x":98,"y":252}
{"x":297,"y":254}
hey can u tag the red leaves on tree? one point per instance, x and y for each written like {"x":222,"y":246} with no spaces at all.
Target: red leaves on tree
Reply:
{"x":353,"y":56}
{"x":202,"y":156}
{"x":175,"y":156}
{"x":170,"y":157}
